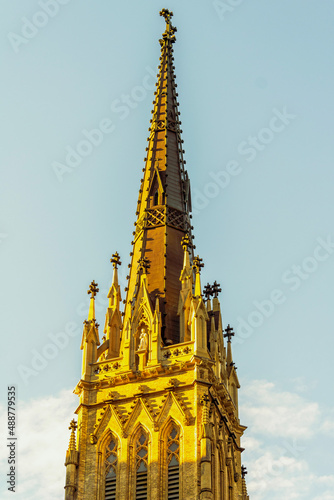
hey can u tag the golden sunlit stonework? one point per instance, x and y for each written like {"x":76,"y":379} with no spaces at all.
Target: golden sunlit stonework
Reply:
{"x":158,"y":411}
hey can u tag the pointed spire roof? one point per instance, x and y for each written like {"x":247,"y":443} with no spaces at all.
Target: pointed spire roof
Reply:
{"x":93,"y":290}
{"x":229,"y":360}
{"x":163,"y":209}
{"x":72,"y":444}
{"x":90,"y":324}
{"x":198,"y":264}
{"x":114,"y":294}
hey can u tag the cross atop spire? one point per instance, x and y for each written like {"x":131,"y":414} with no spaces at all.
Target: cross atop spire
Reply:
{"x":170,"y":29}
{"x":229,"y":333}
{"x":198,"y":263}
{"x":185,"y":242}
{"x":115,"y":260}
{"x":243,"y":471}
{"x":93,"y":289}
{"x":167,"y":14}
{"x":73,"y":427}
{"x":208,"y":292}
{"x":216,"y":289}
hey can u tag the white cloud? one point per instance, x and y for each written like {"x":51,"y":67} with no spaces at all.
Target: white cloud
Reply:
{"x":278,"y":413}
{"x":283,"y":431}
{"x":42,"y":440}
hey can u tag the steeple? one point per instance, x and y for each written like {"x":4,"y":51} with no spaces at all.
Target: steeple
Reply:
{"x":161,"y":382}
{"x":163,"y":209}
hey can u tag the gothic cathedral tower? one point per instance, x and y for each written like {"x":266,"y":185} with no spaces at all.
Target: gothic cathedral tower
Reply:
{"x":158,"y":411}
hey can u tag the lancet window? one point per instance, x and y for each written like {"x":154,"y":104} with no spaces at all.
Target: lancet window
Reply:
{"x":173,"y":463}
{"x":141,"y":450}
{"x":111,"y":470}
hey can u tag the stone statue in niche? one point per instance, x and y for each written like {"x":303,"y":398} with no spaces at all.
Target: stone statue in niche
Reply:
{"x":143,"y":340}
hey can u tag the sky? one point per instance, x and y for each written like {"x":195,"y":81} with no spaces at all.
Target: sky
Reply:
{"x":255,"y":84}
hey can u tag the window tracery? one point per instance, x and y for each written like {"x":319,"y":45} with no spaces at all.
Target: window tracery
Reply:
{"x":111,"y":470}
{"x":173,"y":462}
{"x":141,"y":461}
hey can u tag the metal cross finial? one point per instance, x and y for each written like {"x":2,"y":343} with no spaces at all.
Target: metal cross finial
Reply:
{"x":73,"y":425}
{"x":93,"y":289}
{"x":144,"y":264}
{"x":243,"y":471}
{"x":170,"y":29}
{"x":185,"y":242}
{"x":216,"y":289}
{"x":229,"y":333}
{"x":198,"y":263}
{"x":115,"y":260}
{"x":167,"y":14}
{"x":208,"y":291}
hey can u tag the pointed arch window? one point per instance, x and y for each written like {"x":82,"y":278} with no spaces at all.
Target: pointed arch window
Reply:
{"x":156,"y":198}
{"x":111,"y":470}
{"x":141,"y":449}
{"x":173,"y":463}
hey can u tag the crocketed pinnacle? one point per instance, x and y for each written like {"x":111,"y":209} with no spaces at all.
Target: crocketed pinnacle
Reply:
{"x":72,"y":444}
{"x":93,"y":290}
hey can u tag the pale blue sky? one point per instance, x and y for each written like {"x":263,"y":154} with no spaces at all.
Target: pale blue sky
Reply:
{"x":236,"y":72}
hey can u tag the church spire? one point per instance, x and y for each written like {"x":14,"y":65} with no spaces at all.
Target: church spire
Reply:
{"x":159,"y":375}
{"x":164,"y":205}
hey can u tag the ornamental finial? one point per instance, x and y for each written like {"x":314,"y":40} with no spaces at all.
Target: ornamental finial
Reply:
{"x":93,"y":289}
{"x":73,"y":425}
{"x":198,"y":264}
{"x":208,"y":292}
{"x":229,"y":333}
{"x":170,"y":29}
{"x":216,"y":289}
{"x":185,"y":242}
{"x":115,"y":260}
{"x":167,"y":14}
{"x":243,"y":472}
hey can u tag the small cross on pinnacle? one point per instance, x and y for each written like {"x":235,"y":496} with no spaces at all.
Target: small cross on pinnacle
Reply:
{"x":185,"y":242}
{"x":144,"y":264}
{"x":115,"y":260}
{"x":243,"y":472}
{"x":216,"y":289}
{"x":229,"y":333}
{"x":198,"y":263}
{"x":93,"y":289}
{"x":208,"y":291}
{"x":170,"y":29}
{"x":73,"y":425}
{"x":167,"y":14}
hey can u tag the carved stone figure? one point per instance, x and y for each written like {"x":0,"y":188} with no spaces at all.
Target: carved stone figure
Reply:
{"x":143,"y":340}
